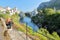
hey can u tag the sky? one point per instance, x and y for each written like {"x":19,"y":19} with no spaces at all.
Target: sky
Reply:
{"x":23,"y":5}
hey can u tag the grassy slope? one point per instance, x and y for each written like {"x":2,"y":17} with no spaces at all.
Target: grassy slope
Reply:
{"x":22,"y":27}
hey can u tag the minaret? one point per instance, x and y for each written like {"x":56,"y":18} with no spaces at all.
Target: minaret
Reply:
{"x":54,"y":9}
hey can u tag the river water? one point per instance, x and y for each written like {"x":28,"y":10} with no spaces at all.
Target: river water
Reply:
{"x":29,"y":23}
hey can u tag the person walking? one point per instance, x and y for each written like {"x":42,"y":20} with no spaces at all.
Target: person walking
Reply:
{"x":9,"y":23}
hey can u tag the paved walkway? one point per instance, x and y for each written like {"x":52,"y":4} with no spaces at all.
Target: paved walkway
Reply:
{"x":11,"y":34}
{"x":17,"y":35}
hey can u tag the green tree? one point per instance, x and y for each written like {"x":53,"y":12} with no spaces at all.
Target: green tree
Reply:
{"x":49,"y":18}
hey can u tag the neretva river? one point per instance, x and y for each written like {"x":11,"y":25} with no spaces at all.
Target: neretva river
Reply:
{"x":29,"y":23}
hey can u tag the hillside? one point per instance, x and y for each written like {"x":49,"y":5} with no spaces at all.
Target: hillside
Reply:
{"x":50,"y":4}
{"x":22,"y":31}
{"x":11,"y":34}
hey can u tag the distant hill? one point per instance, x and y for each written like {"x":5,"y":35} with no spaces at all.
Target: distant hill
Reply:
{"x":50,"y":4}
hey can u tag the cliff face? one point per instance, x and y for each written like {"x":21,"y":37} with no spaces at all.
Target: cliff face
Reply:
{"x":50,"y":4}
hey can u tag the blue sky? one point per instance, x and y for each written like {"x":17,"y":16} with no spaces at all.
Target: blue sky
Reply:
{"x":24,"y":5}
